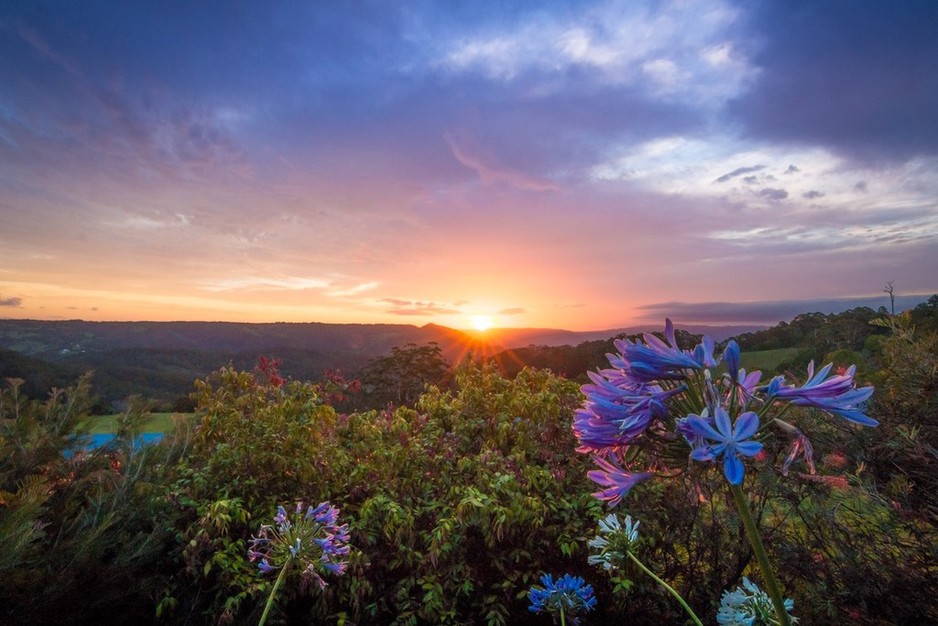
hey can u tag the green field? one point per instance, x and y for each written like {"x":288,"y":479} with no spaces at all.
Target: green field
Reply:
{"x":158,"y":422}
{"x":766,"y":360}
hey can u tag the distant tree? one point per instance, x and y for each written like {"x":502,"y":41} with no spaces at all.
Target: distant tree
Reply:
{"x":890,"y":289}
{"x":402,"y":376}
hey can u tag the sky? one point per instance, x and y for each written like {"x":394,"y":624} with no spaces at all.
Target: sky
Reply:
{"x":581,"y":165}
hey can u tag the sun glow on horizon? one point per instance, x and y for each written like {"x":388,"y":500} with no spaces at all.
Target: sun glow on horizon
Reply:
{"x":481,"y":323}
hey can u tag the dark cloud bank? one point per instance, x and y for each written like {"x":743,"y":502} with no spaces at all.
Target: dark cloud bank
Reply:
{"x":769,"y":313}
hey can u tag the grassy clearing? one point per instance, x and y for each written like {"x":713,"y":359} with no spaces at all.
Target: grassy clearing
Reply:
{"x":158,"y":422}
{"x":766,"y":360}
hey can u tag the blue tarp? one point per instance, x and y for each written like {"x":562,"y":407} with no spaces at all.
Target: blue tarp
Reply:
{"x":99,"y":440}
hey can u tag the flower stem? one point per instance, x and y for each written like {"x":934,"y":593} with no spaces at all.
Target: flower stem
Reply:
{"x":670,"y":589}
{"x":273,"y":593}
{"x":563,"y":622}
{"x":768,"y":574}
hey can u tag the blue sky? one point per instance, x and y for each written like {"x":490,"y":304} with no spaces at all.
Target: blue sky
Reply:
{"x":582,"y":165}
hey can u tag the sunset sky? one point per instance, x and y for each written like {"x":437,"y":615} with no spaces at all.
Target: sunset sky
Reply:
{"x":579,"y":165}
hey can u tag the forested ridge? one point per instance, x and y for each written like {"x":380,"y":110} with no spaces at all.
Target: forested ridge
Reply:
{"x":159,"y":361}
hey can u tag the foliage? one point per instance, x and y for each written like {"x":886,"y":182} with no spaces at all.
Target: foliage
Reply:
{"x":76,"y":524}
{"x":457,"y":505}
{"x":260,"y":440}
{"x":454,"y":508}
{"x":819,"y":332}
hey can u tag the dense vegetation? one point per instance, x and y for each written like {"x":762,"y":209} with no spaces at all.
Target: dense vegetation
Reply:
{"x":457,"y":502}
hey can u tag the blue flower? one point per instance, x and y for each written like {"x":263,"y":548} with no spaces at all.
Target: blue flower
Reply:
{"x":617,"y":481}
{"x":657,"y":360}
{"x":731,"y":441}
{"x":837,"y":394}
{"x":569,"y":594}
{"x":614,"y":542}
{"x":703,"y":353}
{"x":313,"y":537}
{"x":748,"y":605}
{"x":731,"y":358}
{"x":281,"y":516}
{"x":616,"y":411}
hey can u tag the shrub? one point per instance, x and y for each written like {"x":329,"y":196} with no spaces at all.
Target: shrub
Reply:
{"x":77,"y":524}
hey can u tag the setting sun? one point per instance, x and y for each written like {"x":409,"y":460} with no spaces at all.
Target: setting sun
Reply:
{"x":481,"y":322}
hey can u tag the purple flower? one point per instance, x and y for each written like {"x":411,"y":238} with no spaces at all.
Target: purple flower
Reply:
{"x":324,"y":513}
{"x":617,"y":481}
{"x":281,"y":516}
{"x":800,"y":446}
{"x":703,"y":353}
{"x":657,"y":360}
{"x":731,"y":441}
{"x":837,"y":394}
{"x":313,"y":537}
{"x":731,"y":358}
{"x":612,"y":416}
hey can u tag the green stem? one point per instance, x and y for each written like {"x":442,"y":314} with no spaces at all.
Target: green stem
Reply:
{"x":768,"y":574}
{"x":273,"y":593}
{"x":563,"y":622}
{"x":670,"y":589}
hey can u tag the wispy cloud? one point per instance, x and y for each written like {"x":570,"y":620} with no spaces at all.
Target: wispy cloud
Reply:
{"x":260,"y":283}
{"x":739,"y":171}
{"x":351,"y":291}
{"x":420,"y":308}
{"x":40,"y":45}
{"x":687,"y":53}
{"x":491,"y":175}
{"x":11,"y":301}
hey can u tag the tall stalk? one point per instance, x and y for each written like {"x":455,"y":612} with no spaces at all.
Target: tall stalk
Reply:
{"x":670,"y":589}
{"x":762,"y":558}
{"x":273,"y":593}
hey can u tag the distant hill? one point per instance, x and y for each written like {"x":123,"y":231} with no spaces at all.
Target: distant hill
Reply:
{"x":160,"y":360}
{"x":60,"y":339}
{"x":522,"y":337}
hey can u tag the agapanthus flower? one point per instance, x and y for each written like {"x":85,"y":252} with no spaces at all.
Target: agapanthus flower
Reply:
{"x":613,"y":415}
{"x":313,"y":539}
{"x":729,"y":440}
{"x":654,"y":394}
{"x":614,"y":541}
{"x":616,"y":480}
{"x":800,"y":447}
{"x":568,"y":594}
{"x":731,"y":359}
{"x":837,"y":394}
{"x":748,"y":605}
{"x":657,"y":360}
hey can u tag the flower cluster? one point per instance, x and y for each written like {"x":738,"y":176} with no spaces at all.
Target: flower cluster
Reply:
{"x":614,"y":541}
{"x":568,"y":595}
{"x":656,"y":400}
{"x":748,"y":605}
{"x":313,"y":539}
